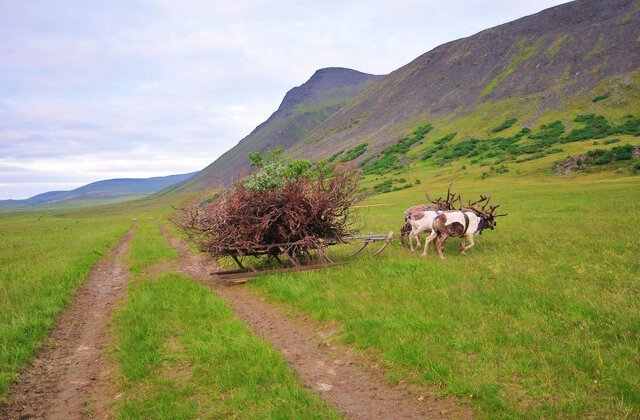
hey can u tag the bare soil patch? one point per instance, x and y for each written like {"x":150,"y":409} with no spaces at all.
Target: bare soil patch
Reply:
{"x":71,"y":377}
{"x":331,"y":370}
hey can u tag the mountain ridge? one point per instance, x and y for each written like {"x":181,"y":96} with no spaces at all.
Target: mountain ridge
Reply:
{"x":526,"y":69}
{"x":302,"y":108}
{"x":104,"y":189}
{"x":558,"y":53}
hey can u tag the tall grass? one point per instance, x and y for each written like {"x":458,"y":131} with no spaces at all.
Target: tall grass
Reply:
{"x":149,"y":247}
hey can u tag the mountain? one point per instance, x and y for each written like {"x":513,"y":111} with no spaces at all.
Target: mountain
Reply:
{"x":301,"y":110}
{"x":539,"y":63}
{"x":545,"y":66}
{"x":112,"y":189}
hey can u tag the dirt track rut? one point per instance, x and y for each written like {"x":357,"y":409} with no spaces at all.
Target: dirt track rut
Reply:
{"x":69,"y":377}
{"x":331,"y":370}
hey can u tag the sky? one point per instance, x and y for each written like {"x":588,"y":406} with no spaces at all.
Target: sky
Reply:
{"x":93,"y":90}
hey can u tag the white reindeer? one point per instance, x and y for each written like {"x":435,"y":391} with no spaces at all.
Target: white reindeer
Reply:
{"x":420,"y":225}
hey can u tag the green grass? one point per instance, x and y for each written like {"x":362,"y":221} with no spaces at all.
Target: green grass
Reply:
{"x":523,"y":52}
{"x":184,"y":354}
{"x":541,"y":319}
{"x":44,"y":257}
{"x":148,"y":247}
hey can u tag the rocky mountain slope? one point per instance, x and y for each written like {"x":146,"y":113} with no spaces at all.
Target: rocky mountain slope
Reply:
{"x":301,"y":110}
{"x":538,"y":67}
{"x":549,"y":59}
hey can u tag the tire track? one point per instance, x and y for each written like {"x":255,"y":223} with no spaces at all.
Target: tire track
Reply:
{"x":330,"y":370}
{"x":69,"y":378}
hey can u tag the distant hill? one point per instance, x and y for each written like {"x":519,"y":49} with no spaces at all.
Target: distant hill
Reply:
{"x":547,"y":65}
{"x":301,"y":110}
{"x":112,"y":189}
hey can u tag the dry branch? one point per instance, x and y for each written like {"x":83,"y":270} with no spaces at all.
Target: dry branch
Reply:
{"x":305,"y":211}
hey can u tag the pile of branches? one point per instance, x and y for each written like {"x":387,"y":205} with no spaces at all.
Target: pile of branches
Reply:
{"x":303,"y":210}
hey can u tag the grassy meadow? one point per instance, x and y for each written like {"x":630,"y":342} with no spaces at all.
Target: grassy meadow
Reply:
{"x":183,"y":353}
{"x":540,"y":319}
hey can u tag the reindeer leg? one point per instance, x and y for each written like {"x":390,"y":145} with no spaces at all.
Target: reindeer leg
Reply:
{"x":430,"y":238}
{"x":470,"y":239}
{"x":440,"y":244}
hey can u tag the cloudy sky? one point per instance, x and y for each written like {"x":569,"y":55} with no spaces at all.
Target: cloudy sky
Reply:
{"x":93,"y":90}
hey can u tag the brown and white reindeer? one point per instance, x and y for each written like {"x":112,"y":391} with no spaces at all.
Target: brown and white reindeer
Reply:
{"x":464,"y":223}
{"x":419,"y":219}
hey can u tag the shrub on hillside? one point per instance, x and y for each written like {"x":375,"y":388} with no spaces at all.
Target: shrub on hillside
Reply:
{"x":505,"y":124}
{"x":354,"y":153}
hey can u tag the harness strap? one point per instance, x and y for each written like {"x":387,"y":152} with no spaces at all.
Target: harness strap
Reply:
{"x":466,"y":221}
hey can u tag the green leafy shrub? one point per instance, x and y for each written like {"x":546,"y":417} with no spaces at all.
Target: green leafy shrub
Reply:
{"x":389,"y":157}
{"x":548,"y":133}
{"x":403,"y":145}
{"x":595,"y":127}
{"x":437,"y":146}
{"x":388,"y":186}
{"x":333,"y":157}
{"x":275,"y":170}
{"x":505,"y":124}
{"x":460,"y":149}
{"x":352,"y":154}
{"x":366,"y":160}
{"x":600,"y":97}
{"x":630,"y":127}
{"x":612,"y":141}
{"x":493,"y":170}
{"x":602,"y":156}
{"x":383,"y":165}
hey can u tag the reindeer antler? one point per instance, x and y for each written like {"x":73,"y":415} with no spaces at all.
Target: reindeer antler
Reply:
{"x":486,"y":201}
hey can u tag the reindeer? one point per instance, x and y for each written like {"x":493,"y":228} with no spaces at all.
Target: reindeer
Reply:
{"x":420,"y":218}
{"x":464,"y":224}
{"x":415,"y":212}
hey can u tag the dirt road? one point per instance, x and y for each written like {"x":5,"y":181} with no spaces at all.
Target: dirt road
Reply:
{"x":70,"y":378}
{"x":331,"y":370}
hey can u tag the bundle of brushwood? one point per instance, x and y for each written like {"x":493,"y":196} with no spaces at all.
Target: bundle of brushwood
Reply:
{"x":245,"y":220}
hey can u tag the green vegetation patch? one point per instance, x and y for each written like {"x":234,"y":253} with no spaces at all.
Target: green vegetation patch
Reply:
{"x":389,"y":159}
{"x":149,"y":247}
{"x":505,"y":124}
{"x":617,"y":153}
{"x":523,"y":53}
{"x":390,"y":185}
{"x":533,"y":145}
{"x":600,"y":97}
{"x":354,"y":153}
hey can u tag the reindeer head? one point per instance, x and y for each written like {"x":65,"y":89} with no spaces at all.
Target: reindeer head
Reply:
{"x":487,"y":216}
